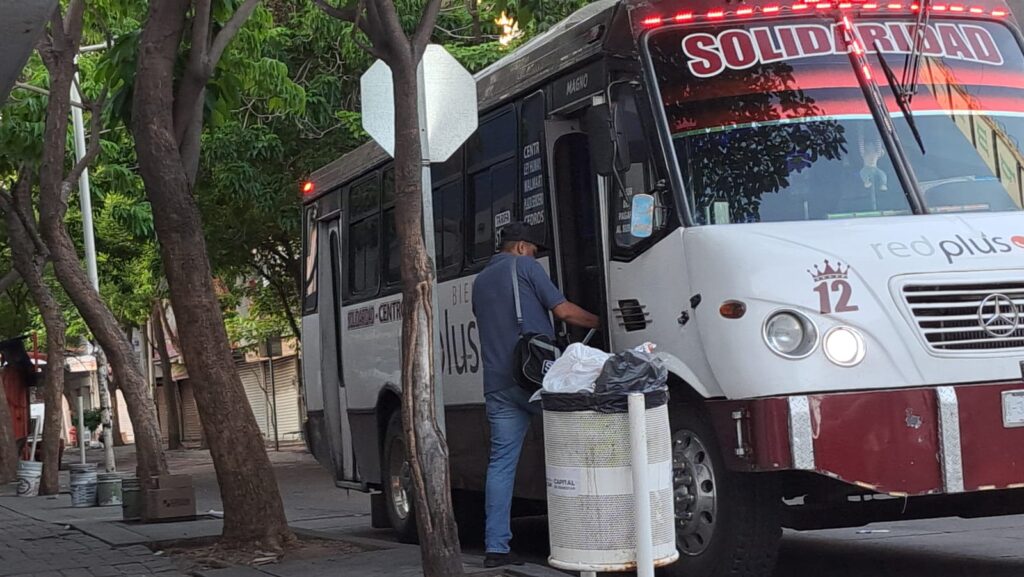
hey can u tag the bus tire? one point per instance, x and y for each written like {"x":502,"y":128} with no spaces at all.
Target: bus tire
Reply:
{"x":398,"y":497}
{"x":727,"y":523}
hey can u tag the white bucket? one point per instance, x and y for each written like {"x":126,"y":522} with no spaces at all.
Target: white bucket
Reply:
{"x":83,"y":485}
{"x":29,"y":474}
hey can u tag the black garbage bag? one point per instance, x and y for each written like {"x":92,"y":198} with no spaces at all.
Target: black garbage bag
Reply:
{"x":632,"y":372}
{"x":624,"y":373}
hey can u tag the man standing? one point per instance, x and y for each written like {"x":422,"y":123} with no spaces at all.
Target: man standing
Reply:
{"x":508,"y":406}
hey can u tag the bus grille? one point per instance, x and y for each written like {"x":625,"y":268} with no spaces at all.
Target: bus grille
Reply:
{"x":951,"y":316}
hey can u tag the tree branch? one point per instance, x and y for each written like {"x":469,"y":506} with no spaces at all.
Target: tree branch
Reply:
{"x":73,"y":24}
{"x":93,"y":148}
{"x":425,"y":28}
{"x":200,"y":33}
{"x":348,"y":14}
{"x":228,"y":32}
{"x":282,"y":295}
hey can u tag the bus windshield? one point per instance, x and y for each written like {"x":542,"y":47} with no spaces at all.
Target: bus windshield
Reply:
{"x":769,"y":122}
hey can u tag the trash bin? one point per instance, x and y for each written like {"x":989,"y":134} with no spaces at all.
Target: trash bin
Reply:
{"x":591,"y":514}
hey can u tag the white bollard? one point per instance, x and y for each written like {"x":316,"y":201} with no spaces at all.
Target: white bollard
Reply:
{"x":641,"y":494}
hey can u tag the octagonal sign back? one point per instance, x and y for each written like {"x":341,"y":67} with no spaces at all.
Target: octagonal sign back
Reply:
{"x":449,"y":97}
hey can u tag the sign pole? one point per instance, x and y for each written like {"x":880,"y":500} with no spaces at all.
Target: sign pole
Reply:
{"x":429,"y":242}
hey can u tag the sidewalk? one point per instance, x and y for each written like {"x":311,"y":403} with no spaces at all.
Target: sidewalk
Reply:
{"x":46,"y":537}
{"x":33,"y":548}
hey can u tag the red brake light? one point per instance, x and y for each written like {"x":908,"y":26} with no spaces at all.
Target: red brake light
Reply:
{"x":956,"y":8}
{"x":824,"y":5}
{"x":684,"y":16}
{"x":716,"y":14}
{"x":895,"y":6}
{"x":308,"y":187}
{"x":999,"y":13}
{"x":651,"y":21}
{"x":800,"y":6}
{"x":976,"y":10}
{"x":845,"y":5}
{"x":771,"y":9}
{"x":871,"y":6}
{"x":744,"y":11}
{"x":940,"y":8}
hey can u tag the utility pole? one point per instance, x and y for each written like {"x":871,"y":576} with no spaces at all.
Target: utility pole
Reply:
{"x":85,"y":196}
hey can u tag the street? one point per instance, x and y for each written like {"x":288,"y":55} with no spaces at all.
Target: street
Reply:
{"x":988,"y":547}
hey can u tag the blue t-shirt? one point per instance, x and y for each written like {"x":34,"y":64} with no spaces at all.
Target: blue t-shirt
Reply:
{"x":495,"y":309}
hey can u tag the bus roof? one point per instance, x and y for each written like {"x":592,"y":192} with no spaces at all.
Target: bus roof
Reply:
{"x":562,"y":46}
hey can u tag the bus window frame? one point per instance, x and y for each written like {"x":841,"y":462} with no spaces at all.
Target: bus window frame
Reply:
{"x":487,"y":164}
{"x":459,"y":176}
{"x":388,"y":286}
{"x":654,"y":167}
{"x":351,"y":296}
{"x":311,"y":223}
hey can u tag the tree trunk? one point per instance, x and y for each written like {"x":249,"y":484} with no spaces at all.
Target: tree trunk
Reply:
{"x":68,"y":269}
{"x":8,"y":444}
{"x":115,"y":414}
{"x":30,"y":264}
{"x":53,"y":408}
{"x":252,"y":504}
{"x":439,"y":539}
{"x":170,"y":387}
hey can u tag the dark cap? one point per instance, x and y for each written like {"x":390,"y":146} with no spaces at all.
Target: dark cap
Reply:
{"x":518,"y":230}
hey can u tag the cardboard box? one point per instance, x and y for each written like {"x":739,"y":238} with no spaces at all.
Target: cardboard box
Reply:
{"x":169,"y":482}
{"x":165,"y":504}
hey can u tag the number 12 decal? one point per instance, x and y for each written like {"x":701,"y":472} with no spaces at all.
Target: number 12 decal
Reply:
{"x":832,"y":283}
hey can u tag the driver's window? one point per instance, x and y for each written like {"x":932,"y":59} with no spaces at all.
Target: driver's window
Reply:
{"x":637,"y":180}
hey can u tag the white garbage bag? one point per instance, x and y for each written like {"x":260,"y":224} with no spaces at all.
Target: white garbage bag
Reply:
{"x":574,"y":371}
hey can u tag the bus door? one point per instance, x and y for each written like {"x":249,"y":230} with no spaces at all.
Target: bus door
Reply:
{"x":578,"y":233}
{"x":339,"y":431}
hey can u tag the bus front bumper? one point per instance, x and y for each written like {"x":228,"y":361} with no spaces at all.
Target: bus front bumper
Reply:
{"x":920,"y":441}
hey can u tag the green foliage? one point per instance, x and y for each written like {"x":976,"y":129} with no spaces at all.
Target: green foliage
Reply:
{"x":283,"y":102}
{"x":92,"y":418}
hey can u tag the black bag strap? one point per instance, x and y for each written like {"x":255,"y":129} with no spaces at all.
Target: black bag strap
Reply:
{"x":515,"y":293}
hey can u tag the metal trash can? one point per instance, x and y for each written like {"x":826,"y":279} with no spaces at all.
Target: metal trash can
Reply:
{"x":591,"y":514}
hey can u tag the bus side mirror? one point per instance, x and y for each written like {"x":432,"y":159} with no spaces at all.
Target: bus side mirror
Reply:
{"x":641,"y":221}
{"x":609,"y":147}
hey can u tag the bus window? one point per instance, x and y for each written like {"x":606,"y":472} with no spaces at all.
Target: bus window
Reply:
{"x":448,"y":203}
{"x":364,"y":238}
{"x":309,"y":254}
{"x":492,"y":193}
{"x":393,"y":264}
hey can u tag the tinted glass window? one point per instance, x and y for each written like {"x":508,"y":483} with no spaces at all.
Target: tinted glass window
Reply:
{"x":388,"y":186}
{"x":364,"y":198}
{"x":482,"y":233}
{"x":309,"y":261}
{"x":364,"y":256}
{"x":393,"y":270}
{"x":448,"y":227}
{"x":495,"y":139}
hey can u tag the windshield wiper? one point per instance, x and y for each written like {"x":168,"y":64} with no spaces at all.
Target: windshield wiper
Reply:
{"x":880,"y":113}
{"x":902,"y":94}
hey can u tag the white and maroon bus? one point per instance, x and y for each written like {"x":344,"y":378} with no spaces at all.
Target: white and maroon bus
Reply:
{"x":832,"y":268}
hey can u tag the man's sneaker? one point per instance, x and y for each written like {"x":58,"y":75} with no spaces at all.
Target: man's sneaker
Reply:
{"x":500,"y":559}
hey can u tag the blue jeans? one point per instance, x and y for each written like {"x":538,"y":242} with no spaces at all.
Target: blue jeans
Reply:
{"x":508,"y":412}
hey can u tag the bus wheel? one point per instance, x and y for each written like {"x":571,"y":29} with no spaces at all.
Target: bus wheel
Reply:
{"x":727,"y":523}
{"x":398,"y":482}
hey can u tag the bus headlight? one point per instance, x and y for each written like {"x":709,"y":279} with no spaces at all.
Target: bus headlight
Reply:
{"x":790,"y":334}
{"x":844,"y":346}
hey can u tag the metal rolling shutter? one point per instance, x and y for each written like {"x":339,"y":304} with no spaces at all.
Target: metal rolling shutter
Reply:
{"x":193,"y":432}
{"x":286,"y":385}
{"x":252,"y":380}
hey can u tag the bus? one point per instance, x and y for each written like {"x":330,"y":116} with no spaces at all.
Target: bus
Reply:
{"x":832,"y":267}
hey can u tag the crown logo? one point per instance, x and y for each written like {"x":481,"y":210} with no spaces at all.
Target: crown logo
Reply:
{"x":829,"y":272}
